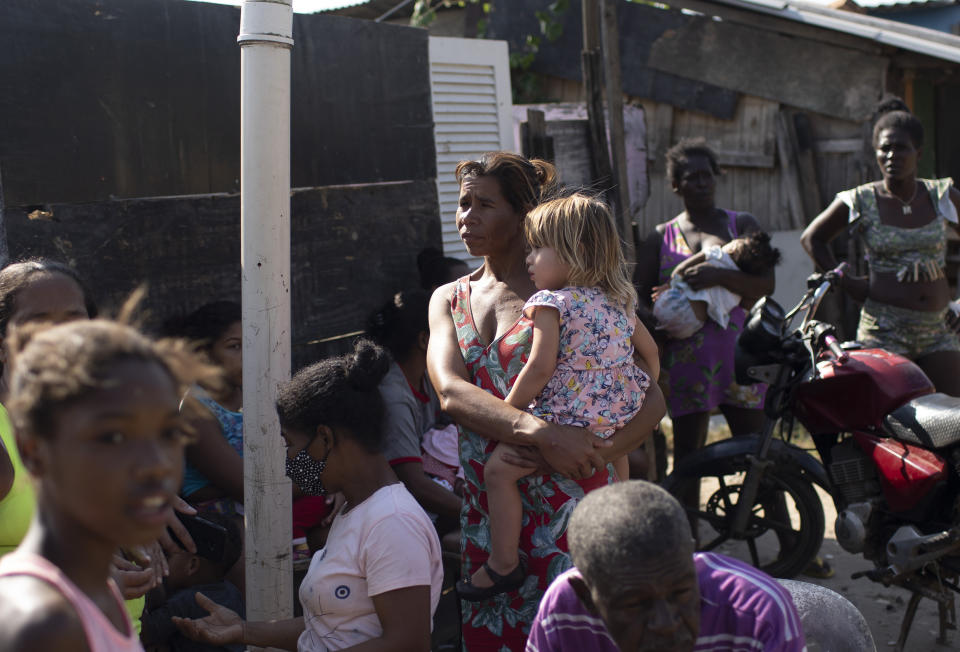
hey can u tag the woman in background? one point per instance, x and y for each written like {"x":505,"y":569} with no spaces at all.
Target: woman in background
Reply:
{"x":902,"y":222}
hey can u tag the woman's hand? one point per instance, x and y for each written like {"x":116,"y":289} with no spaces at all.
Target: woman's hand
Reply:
{"x":570,"y":451}
{"x":222,"y":627}
{"x":529,"y":457}
{"x":179,"y":531}
{"x":149,"y":563}
{"x":132,"y":580}
{"x":150,"y":557}
{"x":702,"y":276}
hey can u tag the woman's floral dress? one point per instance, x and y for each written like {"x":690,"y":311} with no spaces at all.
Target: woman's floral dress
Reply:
{"x":502,"y":623}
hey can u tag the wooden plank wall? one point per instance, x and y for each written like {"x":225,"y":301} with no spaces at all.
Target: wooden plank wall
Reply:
{"x":844,"y":155}
{"x":747,"y":147}
{"x":754,"y":178}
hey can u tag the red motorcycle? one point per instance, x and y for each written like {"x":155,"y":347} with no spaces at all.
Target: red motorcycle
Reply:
{"x":889,"y":449}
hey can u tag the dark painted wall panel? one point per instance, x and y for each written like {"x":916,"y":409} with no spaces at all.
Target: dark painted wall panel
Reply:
{"x":140,"y":98}
{"x":352,"y":247}
{"x":640,"y":26}
{"x":361,"y":102}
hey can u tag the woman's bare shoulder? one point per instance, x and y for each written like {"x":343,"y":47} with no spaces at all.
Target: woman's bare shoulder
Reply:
{"x":444,"y":293}
{"x":661,"y":228}
{"x":37,"y":616}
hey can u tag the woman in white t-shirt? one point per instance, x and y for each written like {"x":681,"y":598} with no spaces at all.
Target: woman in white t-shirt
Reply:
{"x":377,"y":581}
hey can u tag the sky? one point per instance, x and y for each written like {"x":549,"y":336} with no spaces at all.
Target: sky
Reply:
{"x":301,"y":6}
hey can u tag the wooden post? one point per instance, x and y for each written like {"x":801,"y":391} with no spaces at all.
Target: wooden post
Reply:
{"x":601,"y":75}
{"x":789,"y":175}
{"x":807,"y":165}
{"x":266,"y":38}
{"x":536,"y":143}
{"x":614,"y":91}
{"x":592,"y":64}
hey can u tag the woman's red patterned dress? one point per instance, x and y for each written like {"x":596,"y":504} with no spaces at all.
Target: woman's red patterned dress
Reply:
{"x":502,"y":623}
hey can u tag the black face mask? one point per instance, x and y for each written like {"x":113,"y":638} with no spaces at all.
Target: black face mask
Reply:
{"x":306,"y":472}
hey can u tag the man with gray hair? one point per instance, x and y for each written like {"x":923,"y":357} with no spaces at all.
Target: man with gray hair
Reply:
{"x":638,"y":585}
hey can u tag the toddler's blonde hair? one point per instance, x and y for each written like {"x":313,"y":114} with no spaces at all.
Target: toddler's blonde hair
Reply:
{"x":580,"y":229}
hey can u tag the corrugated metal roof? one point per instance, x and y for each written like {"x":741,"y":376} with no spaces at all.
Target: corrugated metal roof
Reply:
{"x":903,"y":4}
{"x":888,"y":32}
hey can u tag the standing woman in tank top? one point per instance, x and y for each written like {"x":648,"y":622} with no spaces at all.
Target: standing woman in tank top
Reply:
{"x":902,"y":222}
{"x":697,"y":373}
{"x":95,"y":406}
{"x":479,"y":341}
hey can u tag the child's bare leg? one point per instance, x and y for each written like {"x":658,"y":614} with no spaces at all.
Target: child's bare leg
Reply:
{"x":622,"y":466}
{"x":506,"y":514}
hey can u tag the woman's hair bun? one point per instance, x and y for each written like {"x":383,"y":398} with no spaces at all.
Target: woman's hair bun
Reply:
{"x":889,"y":104}
{"x":893,"y":113}
{"x":397,"y":324}
{"x":367,"y":366}
{"x":546,"y":174}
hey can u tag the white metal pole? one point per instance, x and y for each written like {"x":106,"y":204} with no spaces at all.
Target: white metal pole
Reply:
{"x":266,"y":38}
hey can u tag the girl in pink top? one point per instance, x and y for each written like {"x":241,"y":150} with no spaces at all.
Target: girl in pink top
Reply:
{"x":590,"y":364}
{"x":95,"y":408}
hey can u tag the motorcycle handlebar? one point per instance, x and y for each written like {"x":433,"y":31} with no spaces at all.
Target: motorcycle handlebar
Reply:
{"x":822,"y":282}
{"x":835,"y":348}
{"x":818,"y":335}
{"x":834,"y":275}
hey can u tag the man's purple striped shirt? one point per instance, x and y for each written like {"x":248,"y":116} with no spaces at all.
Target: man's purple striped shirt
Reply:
{"x":742,"y":610}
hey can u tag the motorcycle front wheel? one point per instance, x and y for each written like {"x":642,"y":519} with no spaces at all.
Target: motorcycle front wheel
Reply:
{"x":786,"y":523}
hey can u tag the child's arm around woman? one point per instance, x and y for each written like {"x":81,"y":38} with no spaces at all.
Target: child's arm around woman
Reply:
{"x":541,"y":364}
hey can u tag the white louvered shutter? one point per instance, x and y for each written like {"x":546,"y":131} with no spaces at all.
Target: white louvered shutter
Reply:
{"x":472,"y":114}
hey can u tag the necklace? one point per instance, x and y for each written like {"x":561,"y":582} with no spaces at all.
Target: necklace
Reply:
{"x":904,"y":205}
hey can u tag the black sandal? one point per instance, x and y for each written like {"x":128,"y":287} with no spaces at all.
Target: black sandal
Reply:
{"x":501,"y":584}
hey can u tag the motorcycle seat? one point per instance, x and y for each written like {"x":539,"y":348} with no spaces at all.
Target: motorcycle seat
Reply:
{"x":931,"y":421}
